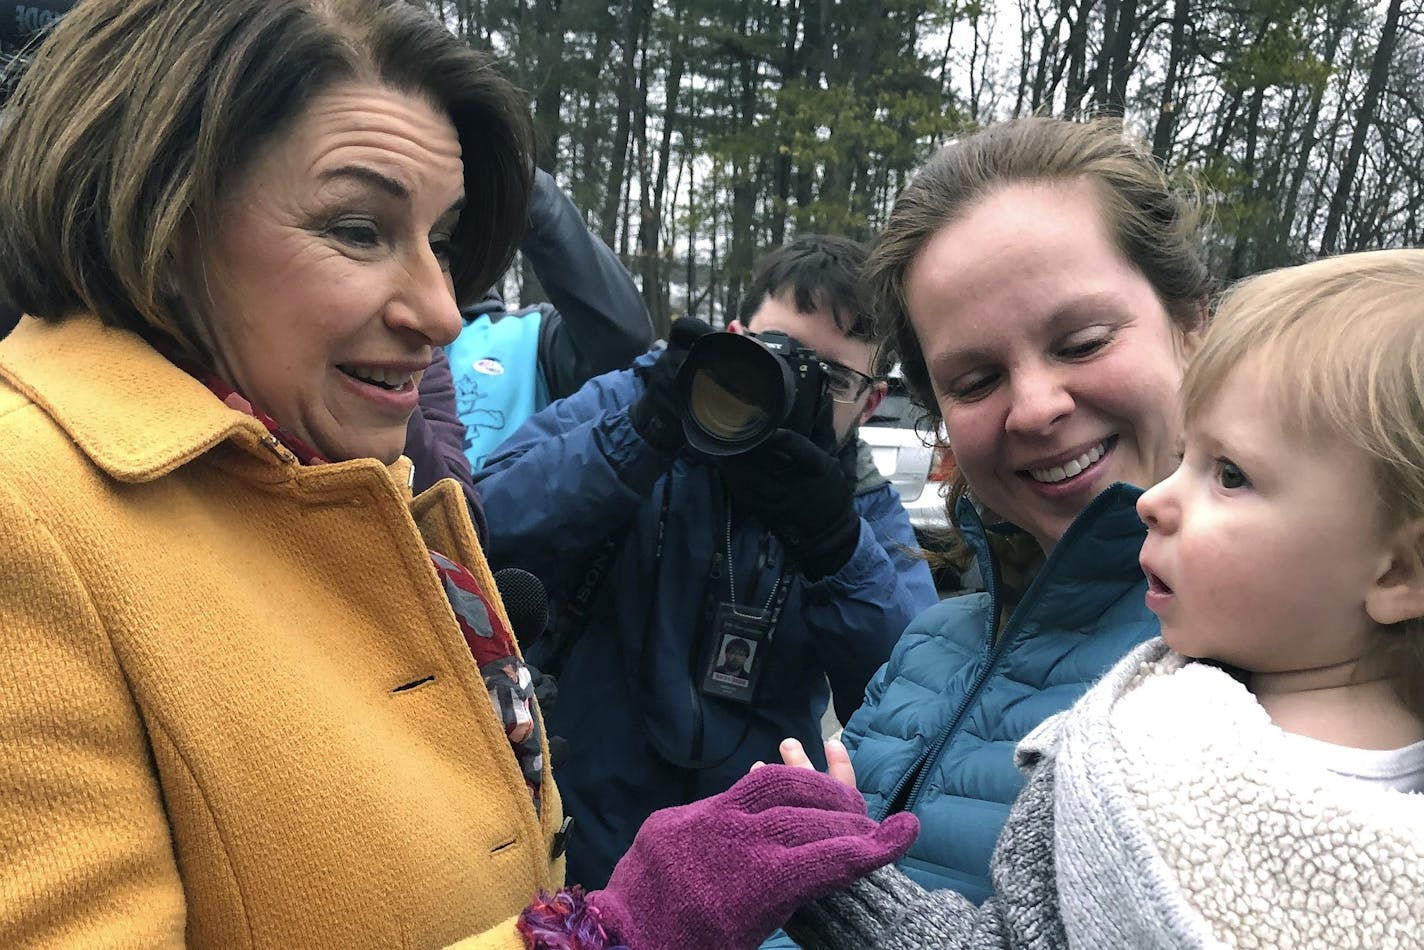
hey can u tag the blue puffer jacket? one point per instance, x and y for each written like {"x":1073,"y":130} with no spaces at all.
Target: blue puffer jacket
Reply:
{"x":629,"y":700}
{"x":940,"y":721}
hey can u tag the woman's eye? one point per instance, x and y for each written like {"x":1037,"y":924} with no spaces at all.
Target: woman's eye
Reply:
{"x":444,"y":251}
{"x":360,"y":234}
{"x":1230,"y":475}
{"x":1081,"y":348}
{"x":969,"y":388}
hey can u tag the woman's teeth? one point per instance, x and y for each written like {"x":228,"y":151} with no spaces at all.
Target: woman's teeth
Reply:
{"x":1067,"y":470}
{"x":384,"y":378}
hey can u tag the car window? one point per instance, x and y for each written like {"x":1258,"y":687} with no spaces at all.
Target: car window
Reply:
{"x":896,"y":409}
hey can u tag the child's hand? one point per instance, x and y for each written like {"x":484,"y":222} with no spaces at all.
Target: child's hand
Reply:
{"x":838,"y":764}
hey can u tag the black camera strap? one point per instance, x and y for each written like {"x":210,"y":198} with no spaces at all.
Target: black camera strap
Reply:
{"x":573,"y":619}
{"x":701,"y":659}
{"x":573,"y":622}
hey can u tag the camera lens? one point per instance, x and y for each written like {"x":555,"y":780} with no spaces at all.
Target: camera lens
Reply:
{"x":736,"y":392}
{"x":721,"y":412}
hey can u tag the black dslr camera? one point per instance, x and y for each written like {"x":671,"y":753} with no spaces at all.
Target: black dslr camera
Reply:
{"x":739,"y":389}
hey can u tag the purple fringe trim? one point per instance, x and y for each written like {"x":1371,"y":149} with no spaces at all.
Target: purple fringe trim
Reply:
{"x":565,"y":921}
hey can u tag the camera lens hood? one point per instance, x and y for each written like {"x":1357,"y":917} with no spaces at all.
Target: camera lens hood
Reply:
{"x":735,"y":392}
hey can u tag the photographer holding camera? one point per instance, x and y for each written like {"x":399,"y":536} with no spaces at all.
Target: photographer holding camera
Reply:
{"x":714,"y":492}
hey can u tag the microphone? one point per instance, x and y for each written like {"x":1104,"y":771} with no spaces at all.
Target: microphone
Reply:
{"x":526,"y":602}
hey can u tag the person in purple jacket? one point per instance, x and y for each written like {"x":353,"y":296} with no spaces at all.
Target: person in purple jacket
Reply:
{"x":435,"y":437}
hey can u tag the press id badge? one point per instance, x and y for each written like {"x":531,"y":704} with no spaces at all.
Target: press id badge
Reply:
{"x":738,"y":634}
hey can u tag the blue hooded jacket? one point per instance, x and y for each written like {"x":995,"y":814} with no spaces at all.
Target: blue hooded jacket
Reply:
{"x":937,"y":731}
{"x":641,"y":734}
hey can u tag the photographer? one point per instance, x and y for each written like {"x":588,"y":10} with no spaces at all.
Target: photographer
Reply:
{"x":658,"y":556}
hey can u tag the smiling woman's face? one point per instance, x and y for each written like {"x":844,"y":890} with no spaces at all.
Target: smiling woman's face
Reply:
{"x":1054,"y":363}
{"x":326,"y":287}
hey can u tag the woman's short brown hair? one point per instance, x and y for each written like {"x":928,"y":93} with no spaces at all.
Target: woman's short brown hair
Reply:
{"x":136,"y":115}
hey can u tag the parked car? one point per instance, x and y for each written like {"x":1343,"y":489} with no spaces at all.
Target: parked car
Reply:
{"x":914,"y":458}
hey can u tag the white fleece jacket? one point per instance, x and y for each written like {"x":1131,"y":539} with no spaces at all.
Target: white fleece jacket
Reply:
{"x":1171,"y":772}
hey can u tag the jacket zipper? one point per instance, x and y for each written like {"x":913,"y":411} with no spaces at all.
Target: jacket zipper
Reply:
{"x":916,"y":772}
{"x":915,"y":776}
{"x":689,"y":788}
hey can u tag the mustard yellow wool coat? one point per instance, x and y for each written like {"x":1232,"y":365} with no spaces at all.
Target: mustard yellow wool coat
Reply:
{"x":204,"y":737}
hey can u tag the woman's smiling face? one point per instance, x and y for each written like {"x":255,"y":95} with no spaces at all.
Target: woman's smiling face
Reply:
{"x":1054,"y":363}
{"x":326,"y":288}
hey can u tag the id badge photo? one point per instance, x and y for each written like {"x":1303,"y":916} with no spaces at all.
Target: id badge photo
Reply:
{"x":733,"y":668}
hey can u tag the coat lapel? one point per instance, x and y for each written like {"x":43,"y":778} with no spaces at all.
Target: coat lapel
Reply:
{"x":130,"y":410}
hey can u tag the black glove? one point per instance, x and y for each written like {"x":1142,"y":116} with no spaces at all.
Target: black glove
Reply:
{"x":546,"y":688}
{"x":657,"y":415}
{"x":546,"y":691}
{"x":801,"y":493}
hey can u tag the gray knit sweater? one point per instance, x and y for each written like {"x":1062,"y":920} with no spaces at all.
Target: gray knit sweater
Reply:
{"x":1164,"y":810}
{"x":887,"y":909}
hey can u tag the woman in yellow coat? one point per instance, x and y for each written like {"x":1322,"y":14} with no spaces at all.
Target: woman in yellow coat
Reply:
{"x":252,"y":692}
{"x":236,"y":705}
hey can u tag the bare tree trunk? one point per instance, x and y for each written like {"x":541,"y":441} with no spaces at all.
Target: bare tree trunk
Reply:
{"x":744,"y":190}
{"x":1077,"y":52}
{"x":1025,"y":57}
{"x":1364,"y":118}
{"x":689,"y":307}
{"x":1164,"y":132}
{"x":618,"y":159}
{"x":1098,"y":78}
{"x":946,"y":87}
{"x":1335,"y":30}
{"x":781,"y":160}
{"x":1244,"y":235}
{"x":648,"y":220}
{"x":1043,"y":88}
{"x":659,"y":306}
{"x":1119,"y":59}
{"x":550,"y":94}
{"x":593,"y":159}
{"x":816,"y":60}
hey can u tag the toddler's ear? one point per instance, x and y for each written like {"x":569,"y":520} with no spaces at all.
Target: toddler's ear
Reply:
{"x":1398,"y":591}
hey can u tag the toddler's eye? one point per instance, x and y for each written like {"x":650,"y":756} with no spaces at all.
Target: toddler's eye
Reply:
{"x":1230,"y":475}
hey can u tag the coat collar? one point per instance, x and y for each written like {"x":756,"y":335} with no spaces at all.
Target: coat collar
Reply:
{"x":1094,"y":564}
{"x":132,"y":412}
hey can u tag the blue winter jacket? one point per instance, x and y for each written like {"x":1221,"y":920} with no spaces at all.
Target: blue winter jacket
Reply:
{"x":937,"y":731}
{"x":629,"y":701}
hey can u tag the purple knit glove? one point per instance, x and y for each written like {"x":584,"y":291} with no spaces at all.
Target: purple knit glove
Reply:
{"x":725,"y":872}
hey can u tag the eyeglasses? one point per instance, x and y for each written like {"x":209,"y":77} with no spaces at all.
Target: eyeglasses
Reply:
{"x":843,"y":383}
